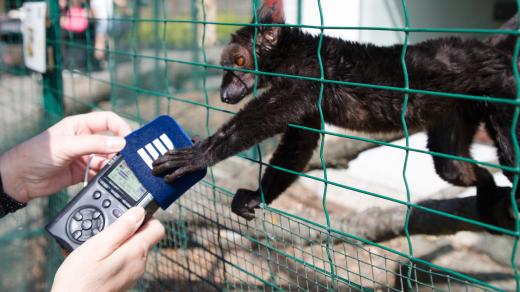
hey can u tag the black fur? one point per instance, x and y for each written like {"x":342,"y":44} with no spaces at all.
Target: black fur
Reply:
{"x":456,"y":65}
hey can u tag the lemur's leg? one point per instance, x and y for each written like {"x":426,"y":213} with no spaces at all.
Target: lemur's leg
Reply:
{"x":499,"y":125}
{"x":293,"y":153}
{"x":454,"y":136}
{"x":263,"y":117}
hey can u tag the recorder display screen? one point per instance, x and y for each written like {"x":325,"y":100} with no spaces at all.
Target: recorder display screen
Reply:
{"x":123,"y":177}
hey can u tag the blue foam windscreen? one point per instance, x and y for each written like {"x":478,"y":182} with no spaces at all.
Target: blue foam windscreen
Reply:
{"x":145,"y":145}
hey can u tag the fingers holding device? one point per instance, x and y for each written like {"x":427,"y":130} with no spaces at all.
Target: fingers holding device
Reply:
{"x":112,"y":260}
{"x":126,"y":181}
{"x":59,"y":155}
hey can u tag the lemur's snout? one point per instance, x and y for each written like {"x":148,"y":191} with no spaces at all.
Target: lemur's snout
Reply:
{"x":224,"y":96}
{"x":232,"y":90}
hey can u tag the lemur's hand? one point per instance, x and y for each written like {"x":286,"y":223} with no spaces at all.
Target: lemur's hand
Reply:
{"x":176,"y":163}
{"x":245,"y":202}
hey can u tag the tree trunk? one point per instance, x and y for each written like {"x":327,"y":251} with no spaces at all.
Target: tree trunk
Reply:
{"x":211,"y":36}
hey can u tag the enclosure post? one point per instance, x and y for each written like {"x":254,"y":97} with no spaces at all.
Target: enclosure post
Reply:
{"x":52,"y":79}
{"x":157,"y":50}
{"x":53,"y":111}
{"x":195,"y":44}
{"x":300,"y":11}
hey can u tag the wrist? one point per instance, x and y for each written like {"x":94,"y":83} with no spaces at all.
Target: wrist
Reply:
{"x":12,"y":184}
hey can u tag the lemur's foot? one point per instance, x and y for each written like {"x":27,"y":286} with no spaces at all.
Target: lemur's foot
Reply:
{"x":245,"y":202}
{"x":494,"y":207}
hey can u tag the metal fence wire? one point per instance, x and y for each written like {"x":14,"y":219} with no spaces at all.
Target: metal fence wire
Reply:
{"x":162,"y":57}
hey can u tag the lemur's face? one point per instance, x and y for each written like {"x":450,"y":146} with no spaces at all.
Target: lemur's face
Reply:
{"x":236,"y":84}
{"x":238,"y":54}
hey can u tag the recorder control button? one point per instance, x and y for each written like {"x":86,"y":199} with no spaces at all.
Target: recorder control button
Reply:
{"x":86,"y":225}
{"x":117,"y":213}
{"x":96,"y":195}
{"x":92,"y":221}
{"x":77,"y":234}
{"x":78,"y":216}
{"x":106,"y":203}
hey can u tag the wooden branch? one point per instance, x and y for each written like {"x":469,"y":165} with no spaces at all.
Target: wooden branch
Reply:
{"x":378,"y":224}
{"x":375,"y":224}
{"x":339,"y":151}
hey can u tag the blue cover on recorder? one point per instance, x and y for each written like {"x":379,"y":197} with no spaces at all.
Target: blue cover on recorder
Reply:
{"x":145,"y":145}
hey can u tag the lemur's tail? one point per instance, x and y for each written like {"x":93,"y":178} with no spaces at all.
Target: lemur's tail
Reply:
{"x":505,"y":42}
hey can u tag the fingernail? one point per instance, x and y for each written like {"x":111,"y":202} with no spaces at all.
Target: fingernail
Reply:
{"x":137,"y":215}
{"x":116,"y":143}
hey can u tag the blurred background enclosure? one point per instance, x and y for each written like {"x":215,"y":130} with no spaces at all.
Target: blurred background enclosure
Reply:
{"x":144,"y":58}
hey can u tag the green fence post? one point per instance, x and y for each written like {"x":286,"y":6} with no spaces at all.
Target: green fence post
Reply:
{"x":300,"y":11}
{"x":195,"y":44}
{"x":52,"y":79}
{"x":157,"y":51}
{"x":54,"y":111}
{"x":136,"y":63}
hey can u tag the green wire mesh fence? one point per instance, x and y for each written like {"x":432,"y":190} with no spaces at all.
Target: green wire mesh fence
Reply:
{"x":162,"y":57}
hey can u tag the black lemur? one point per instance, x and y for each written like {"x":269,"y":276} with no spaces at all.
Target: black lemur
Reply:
{"x":456,"y":65}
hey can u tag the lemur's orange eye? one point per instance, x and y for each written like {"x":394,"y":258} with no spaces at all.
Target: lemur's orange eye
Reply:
{"x":240,"y":61}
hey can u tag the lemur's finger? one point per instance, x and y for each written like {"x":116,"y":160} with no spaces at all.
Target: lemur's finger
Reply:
{"x":165,"y":168}
{"x":244,"y":212}
{"x":181,"y":158}
{"x":249,"y":216}
{"x":162,"y":159}
{"x":172,"y":155}
{"x":170,"y":178}
{"x":196,"y":139}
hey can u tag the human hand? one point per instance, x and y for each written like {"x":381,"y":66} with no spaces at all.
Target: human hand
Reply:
{"x":57,"y":157}
{"x":112,"y":260}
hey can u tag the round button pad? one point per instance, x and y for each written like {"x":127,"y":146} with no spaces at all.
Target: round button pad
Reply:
{"x":85,"y":223}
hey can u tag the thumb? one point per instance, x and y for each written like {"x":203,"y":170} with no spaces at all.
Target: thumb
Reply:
{"x":110,"y":239}
{"x":81,"y":145}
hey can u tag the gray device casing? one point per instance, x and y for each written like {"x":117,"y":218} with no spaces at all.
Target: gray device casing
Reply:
{"x":95,"y":207}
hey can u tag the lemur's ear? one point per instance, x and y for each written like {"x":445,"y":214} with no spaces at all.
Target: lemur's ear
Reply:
{"x":268,"y":37}
{"x":271,"y":12}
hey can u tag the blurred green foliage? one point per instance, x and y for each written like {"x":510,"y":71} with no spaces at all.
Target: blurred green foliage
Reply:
{"x":180,"y":35}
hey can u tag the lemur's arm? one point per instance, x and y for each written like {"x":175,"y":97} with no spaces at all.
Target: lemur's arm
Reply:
{"x":293,"y":153}
{"x":263,"y":117}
